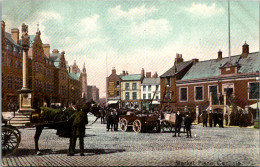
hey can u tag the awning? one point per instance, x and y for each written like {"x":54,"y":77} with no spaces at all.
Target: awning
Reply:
{"x":254,"y":106}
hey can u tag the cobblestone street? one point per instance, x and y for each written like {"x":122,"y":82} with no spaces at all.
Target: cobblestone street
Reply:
{"x":212,"y":146}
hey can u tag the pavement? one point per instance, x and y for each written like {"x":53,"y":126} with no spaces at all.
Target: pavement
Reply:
{"x":214,"y":146}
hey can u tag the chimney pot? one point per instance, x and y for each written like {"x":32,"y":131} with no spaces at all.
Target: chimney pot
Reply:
{"x":15,"y":34}
{"x":142,"y":72}
{"x":245,"y":50}
{"x":113,"y":70}
{"x":148,"y":74}
{"x":123,"y":72}
{"x":219,"y":55}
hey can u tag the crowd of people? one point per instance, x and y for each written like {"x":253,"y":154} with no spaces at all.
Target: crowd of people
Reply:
{"x":213,"y":118}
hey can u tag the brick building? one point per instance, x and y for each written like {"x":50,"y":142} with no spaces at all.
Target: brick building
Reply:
{"x":113,"y":87}
{"x":92,"y":93}
{"x":48,"y":76}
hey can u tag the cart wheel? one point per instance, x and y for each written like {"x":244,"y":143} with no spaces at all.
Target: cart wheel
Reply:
{"x":123,"y":124}
{"x":137,"y":126}
{"x":10,"y":141}
{"x":15,"y":130}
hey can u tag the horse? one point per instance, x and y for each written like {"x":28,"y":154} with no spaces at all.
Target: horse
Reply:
{"x":88,"y":107}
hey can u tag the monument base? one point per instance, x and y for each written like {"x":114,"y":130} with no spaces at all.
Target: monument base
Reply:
{"x":25,"y":101}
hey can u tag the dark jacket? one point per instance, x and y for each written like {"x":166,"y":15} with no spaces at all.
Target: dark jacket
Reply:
{"x":79,"y":120}
{"x":178,"y":120}
{"x":187,"y":121}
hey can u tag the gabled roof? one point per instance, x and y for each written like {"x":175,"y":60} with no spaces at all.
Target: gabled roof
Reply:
{"x":151,"y":81}
{"x":210,"y":68}
{"x":180,"y":67}
{"x":74,"y":76}
{"x":8,"y":36}
{"x":132,"y":77}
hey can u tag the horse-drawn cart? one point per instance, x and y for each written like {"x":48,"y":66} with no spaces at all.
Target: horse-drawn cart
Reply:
{"x":139,"y":122}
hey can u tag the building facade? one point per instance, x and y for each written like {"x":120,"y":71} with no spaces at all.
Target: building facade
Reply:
{"x":48,"y":76}
{"x":93,"y":93}
{"x":131,"y":90}
{"x":150,"y":92}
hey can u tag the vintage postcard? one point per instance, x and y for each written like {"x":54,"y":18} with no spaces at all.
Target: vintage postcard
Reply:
{"x":130,"y":83}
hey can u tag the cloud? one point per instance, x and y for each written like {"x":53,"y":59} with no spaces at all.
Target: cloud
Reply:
{"x":132,"y":13}
{"x":152,"y":28}
{"x":89,"y":24}
{"x":203,"y":10}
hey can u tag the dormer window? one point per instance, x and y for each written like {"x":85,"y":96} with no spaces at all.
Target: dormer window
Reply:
{"x":168,"y":81}
{"x":227,"y":69}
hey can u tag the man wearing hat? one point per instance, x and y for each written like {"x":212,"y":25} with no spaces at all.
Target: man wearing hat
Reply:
{"x":178,"y":122}
{"x":187,"y":123}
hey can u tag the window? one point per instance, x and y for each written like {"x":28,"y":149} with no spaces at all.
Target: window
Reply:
{"x":184,"y":96}
{"x":157,"y":96}
{"x":144,"y":88}
{"x":253,"y":90}
{"x":149,"y":87}
{"x":168,"y":81}
{"x":157,"y":87}
{"x":127,"y":95}
{"x":144,"y":96}
{"x":126,"y":86}
{"x":149,"y":96}
{"x":168,"y":95}
{"x":227,"y":69}
{"x":213,"y":89}
{"x":199,"y":93}
{"x":117,"y":93}
{"x":134,"y":96}
{"x":10,"y":82}
{"x":117,"y":84}
{"x":134,"y":86}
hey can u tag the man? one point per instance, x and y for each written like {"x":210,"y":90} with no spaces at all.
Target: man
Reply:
{"x":178,"y":121}
{"x":116,"y":119}
{"x":205,"y":118}
{"x":102,"y":113}
{"x":187,"y":123}
{"x":215,"y":118}
{"x":220,"y":120}
{"x":210,"y":118}
{"x":110,"y":120}
{"x":78,"y":120}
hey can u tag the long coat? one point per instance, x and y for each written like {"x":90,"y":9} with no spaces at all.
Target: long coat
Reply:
{"x":79,"y":119}
{"x":178,"y":120}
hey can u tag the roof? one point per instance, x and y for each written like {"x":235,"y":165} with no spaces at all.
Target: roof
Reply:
{"x":180,"y":67}
{"x":8,"y":36}
{"x":210,"y":68}
{"x":132,"y":77}
{"x":151,"y":81}
{"x":74,"y":75}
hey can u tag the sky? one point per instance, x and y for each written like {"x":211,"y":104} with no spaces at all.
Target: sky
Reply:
{"x":131,"y":35}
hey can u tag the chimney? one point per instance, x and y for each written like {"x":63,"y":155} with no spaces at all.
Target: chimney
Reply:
{"x":148,"y":74}
{"x":194,"y":61}
{"x":113,"y":70}
{"x":15,"y":34}
{"x":123,"y":72}
{"x":178,"y":58}
{"x":126,"y":73}
{"x":245,"y":50}
{"x":3,"y":34}
{"x":46,"y":49}
{"x":219,"y":55}
{"x":155,"y":75}
{"x":142,"y":72}
{"x":55,"y":51}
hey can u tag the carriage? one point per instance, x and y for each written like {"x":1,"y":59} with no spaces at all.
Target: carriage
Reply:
{"x":139,"y":122}
{"x":11,"y":136}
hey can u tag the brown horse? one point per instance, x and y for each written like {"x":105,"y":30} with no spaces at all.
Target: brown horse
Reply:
{"x":88,"y":107}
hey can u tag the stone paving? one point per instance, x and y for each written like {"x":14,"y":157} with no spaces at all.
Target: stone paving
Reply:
{"x":215,"y":146}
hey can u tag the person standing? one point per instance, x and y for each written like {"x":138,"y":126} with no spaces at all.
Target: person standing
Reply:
{"x":215,"y":118}
{"x":116,"y":119}
{"x":205,"y":118}
{"x":178,"y":122}
{"x":220,"y":119}
{"x":110,"y":120}
{"x":187,"y":123}
{"x":79,"y":119}
{"x":210,"y":118}
{"x":102,"y":114}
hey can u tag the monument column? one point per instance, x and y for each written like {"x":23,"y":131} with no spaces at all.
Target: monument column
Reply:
{"x":25,"y":94}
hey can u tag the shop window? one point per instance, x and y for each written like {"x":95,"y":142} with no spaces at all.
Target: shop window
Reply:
{"x":134,"y":95}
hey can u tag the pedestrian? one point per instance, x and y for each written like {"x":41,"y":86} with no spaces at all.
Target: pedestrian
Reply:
{"x":78,"y":120}
{"x":210,"y":118}
{"x":187,"y":123}
{"x":116,"y":119}
{"x":215,"y":118}
{"x":205,"y":118}
{"x":110,"y":120}
{"x":220,"y":119}
{"x":178,"y":121}
{"x":102,"y":114}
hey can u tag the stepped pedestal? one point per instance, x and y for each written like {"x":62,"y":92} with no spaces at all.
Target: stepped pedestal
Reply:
{"x":20,"y":119}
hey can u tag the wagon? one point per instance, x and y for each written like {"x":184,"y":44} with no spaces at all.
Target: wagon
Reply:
{"x":11,"y":138}
{"x":139,"y":122}
{"x":168,"y":123}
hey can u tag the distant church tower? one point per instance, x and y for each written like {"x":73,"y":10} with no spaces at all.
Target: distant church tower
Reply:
{"x":84,"y":83}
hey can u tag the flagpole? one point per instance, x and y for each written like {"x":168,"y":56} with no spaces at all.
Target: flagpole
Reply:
{"x":229,"y":45}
